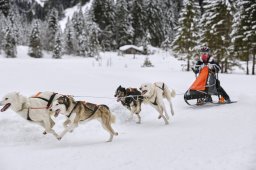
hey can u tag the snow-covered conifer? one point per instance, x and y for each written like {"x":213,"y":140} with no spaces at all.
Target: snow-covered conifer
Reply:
{"x":123,"y":24}
{"x":186,"y":37}
{"x":216,"y":28}
{"x":57,"y":50}
{"x":52,"y":28}
{"x":9,"y":45}
{"x":5,"y":6}
{"x":69,"y":38}
{"x":35,"y":45}
{"x":244,"y":34}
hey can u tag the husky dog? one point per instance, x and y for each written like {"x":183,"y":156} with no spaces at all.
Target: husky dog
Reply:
{"x":34,"y":109}
{"x":154,"y":95}
{"x":130,"y":98}
{"x":77,"y":111}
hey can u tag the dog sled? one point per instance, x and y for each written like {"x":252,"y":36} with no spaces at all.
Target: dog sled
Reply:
{"x":202,"y":88}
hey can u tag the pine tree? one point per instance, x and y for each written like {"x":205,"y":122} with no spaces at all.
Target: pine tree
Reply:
{"x":216,"y":28}
{"x":92,"y":30}
{"x":9,"y":46}
{"x":244,"y":34}
{"x":103,"y":14}
{"x":35,"y":46}
{"x":83,"y":44}
{"x":4,"y":7}
{"x":57,"y":51}
{"x":2,"y":25}
{"x":69,"y":38}
{"x":93,"y":46}
{"x":169,"y":17}
{"x":124,"y":30}
{"x":52,"y":28}
{"x":78,"y":23}
{"x":79,"y":26}
{"x":153,"y":22}
{"x":186,"y":37}
{"x":138,"y":20}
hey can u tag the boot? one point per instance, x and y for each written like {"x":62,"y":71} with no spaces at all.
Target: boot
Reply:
{"x":221,"y":100}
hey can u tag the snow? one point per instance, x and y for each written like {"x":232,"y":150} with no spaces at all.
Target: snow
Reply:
{"x":218,"y":137}
{"x":41,"y":2}
{"x":126,"y":47}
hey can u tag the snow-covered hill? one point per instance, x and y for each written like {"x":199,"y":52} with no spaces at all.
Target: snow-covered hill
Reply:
{"x":219,"y":137}
{"x":70,"y":11}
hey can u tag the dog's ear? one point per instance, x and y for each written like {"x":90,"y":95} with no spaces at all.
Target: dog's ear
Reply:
{"x":17,"y":93}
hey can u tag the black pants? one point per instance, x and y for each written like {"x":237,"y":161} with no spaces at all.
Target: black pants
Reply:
{"x":221,"y":91}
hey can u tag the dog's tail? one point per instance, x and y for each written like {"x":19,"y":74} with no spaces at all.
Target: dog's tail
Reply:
{"x":113,"y":118}
{"x":169,"y":93}
{"x":173,"y":93}
{"x":106,"y":109}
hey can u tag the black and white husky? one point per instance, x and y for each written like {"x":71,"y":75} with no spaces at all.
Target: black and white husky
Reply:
{"x":34,"y":109}
{"x":130,"y":98}
{"x":154,"y":93}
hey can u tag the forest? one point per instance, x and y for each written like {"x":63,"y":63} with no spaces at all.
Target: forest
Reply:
{"x":228,"y":27}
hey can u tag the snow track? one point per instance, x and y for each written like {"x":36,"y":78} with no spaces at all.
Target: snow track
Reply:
{"x":201,"y":138}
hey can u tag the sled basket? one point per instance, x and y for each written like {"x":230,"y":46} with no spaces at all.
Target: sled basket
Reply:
{"x":202,"y":87}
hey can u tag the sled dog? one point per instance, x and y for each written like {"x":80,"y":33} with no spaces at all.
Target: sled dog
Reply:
{"x":77,"y":111}
{"x":130,"y":98}
{"x":34,"y":109}
{"x":154,"y":94}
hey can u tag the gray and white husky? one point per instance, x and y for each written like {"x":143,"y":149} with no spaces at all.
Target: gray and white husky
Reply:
{"x":81,"y":111}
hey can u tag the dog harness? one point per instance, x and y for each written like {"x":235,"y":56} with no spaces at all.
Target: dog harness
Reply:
{"x":155,"y":103}
{"x":49,"y":102}
{"x":162,"y":88}
{"x":28,"y":117}
{"x":72,"y":110}
{"x":22,"y":108}
{"x":84,"y":104}
{"x":92,"y":110}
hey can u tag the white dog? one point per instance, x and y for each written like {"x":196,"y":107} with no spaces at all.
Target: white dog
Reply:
{"x":154,"y":95}
{"x":34,"y":109}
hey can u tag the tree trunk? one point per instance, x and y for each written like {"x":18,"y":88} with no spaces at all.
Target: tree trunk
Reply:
{"x":253,"y":64}
{"x":247,"y":65}
{"x":226,"y":66}
{"x":222,"y":65}
{"x":188,"y":63}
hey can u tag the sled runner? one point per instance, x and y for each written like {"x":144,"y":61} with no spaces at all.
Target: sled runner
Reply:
{"x":203,"y":87}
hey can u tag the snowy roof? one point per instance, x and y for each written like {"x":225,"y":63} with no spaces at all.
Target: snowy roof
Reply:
{"x":126,"y":47}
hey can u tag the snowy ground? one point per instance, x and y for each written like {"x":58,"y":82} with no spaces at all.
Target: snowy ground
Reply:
{"x":198,"y":138}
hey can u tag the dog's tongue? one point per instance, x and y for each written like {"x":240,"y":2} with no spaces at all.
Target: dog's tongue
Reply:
{"x":57,"y":113}
{"x":5,"y":107}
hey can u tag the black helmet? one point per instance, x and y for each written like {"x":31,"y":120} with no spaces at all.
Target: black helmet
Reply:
{"x":205,"y":49}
